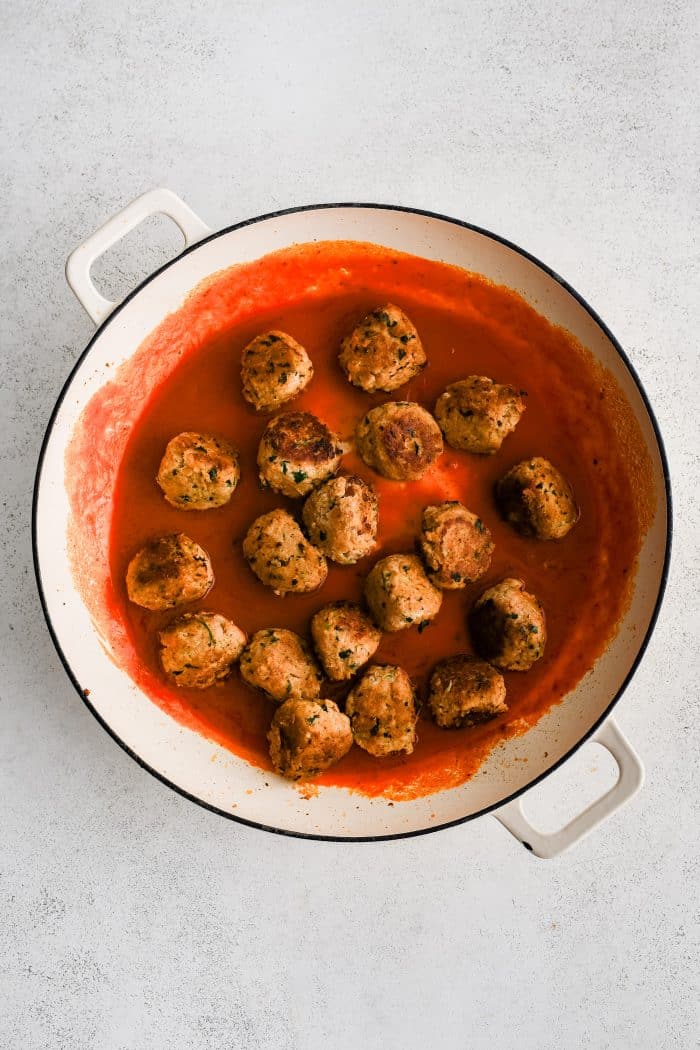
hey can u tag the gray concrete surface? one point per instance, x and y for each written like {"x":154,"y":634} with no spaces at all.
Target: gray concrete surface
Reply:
{"x":131,"y":918}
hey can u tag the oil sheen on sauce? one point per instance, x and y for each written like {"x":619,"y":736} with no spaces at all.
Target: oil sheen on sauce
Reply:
{"x":186,"y":377}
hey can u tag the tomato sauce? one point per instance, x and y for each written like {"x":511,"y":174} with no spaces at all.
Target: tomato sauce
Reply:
{"x":186,"y":377}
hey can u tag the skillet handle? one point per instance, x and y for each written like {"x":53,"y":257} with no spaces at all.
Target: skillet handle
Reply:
{"x":630,"y":780}
{"x":155,"y":202}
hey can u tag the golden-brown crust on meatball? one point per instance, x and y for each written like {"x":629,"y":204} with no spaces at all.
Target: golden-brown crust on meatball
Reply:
{"x":280,"y":555}
{"x":456,"y":545}
{"x":382,"y":711}
{"x":200,"y":649}
{"x":297,"y":452}
{"x":476,"y":414}
{"x":465,"y":691}
{"x":399,"y":439}
{"x":198,"y":471}
{"x":275,"y":368}
{"x":537,"y":500}
{"x":383,"y":351}
{"x":341,"y":519}
{"x":308,"y":736}
{"x":169,"y":571}
{"x":344,"y":638}
{"x":400,"y":595}
{"x":508,"y":627}
{"x":278,"y":663}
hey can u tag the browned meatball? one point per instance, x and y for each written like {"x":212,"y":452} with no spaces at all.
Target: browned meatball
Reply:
{"x":341,"y":519}
{"x":399,"y":593}
{"x":279,"y":664}
{"x":280,"y":555}
{"x":171,"y":570}
{"x":399,"y":439}
{"x":383,"y":352}
{"x":308,"y":736}
{"x":476,"y":414}
{"x":382,"y":711}
{"x":199,"y":649}
{"x":508,"y":627}
{"x":456,"y":545}
{"x":537,"y":500}
{"x":345,"y":639}
{"x":274,"y":370}
{"x":198,"y":471}
{"x":296,"y":453}
{"x":465,"y":691}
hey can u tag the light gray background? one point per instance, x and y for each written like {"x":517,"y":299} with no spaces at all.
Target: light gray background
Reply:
{"x":133,"y":919}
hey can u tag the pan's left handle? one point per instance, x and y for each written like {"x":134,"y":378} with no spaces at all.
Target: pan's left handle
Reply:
{"x":155,"y":202}
{"x":628,"y":783}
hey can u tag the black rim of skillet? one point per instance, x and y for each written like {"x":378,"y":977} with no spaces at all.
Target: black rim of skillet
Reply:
{"x":640,"y":652}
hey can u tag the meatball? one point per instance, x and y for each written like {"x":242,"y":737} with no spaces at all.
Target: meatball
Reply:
{"x":400,"y":595}
{"x":341,"y":519}
{"x":476,"y":414}
{"x":279,"y":663}
{"x":345,"y":639}
{"x":383,"y":352}
{"x":456,"y":545}
{"x":465,"y":691}
{"x":198,"y":471}
{"x":382,"y":711}
{"x":537,"y":500}
{"x":297,"y":452}
{"x":308,"y":736}
{"x":199,"y":649}
{"x":399,"y":439}
{"x":508,"y":627}
{"x":274,"y":370}
{"x":171,"y":570}
{"x":280,"y":555}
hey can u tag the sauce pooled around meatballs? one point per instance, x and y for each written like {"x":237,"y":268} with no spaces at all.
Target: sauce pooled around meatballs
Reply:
{"x":189,"y":376}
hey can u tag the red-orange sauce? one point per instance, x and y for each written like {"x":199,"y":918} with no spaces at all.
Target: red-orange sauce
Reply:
{"x":188,"y":371}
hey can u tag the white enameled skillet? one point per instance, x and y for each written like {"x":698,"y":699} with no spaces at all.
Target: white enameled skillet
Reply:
{"x":183,"y":759}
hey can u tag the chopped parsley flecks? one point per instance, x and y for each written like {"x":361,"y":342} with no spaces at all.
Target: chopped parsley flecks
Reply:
{"x":207,"y":628}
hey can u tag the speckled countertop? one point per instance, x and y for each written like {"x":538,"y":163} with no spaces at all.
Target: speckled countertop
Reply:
{"x":131,"y":918}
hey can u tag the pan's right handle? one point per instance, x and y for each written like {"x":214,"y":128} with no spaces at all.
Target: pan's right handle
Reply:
{"x":155,"y":202}
{"x":628,"y":783}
